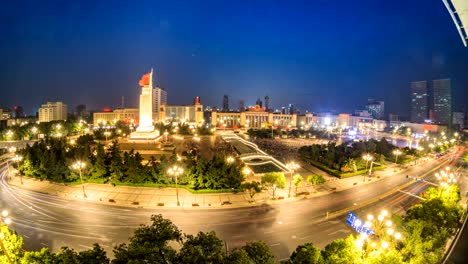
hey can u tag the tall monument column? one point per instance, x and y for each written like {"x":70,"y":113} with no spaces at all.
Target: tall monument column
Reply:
{"x":146,"y":105}
{"x":145,"y":129}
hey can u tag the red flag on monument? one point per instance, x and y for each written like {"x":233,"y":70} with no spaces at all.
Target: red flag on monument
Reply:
{"x":145,"y":80}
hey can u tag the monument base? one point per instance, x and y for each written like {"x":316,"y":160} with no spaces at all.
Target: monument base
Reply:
{"x":144,"y":135}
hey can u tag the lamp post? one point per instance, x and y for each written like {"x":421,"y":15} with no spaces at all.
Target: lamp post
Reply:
{"x":18,"y":158}
{"x":230,"y":159}
{"x":176,"y":171}
{"x":34,"y":131}
{"x":9,"y":134}
{"x":275,"y":123}
{"x":397,"y":152}
{"x":79,"y":165}
{"x":6,"y":220}
{"x":292,"y":166}
{"x":368,"y":157}
{"x":107,"y":134}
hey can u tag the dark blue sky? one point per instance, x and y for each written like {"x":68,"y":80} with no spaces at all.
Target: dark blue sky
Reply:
{"x":317,"y":54}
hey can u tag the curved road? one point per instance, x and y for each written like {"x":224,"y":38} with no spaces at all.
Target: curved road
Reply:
{"x":45,"y":220}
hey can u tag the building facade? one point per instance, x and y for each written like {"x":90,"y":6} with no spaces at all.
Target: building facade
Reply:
{"x":376,"y":108}
{"x":126,"y":115}
{"x":419,"y":101}
{"x":458,"y":120}
{"x":192,"y":114}
{"x":442,"y":101}
{"x":159,"y":98}
{"x":53,"y":111}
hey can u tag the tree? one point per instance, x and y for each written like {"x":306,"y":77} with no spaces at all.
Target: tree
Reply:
{"x":315,"y":179}
{"x":252,"y":188}
{"x":203,"y":248}
{"x":39,"y":257}
{"x":274,"y":180}
{"x":149,"y":244}
{"x":12,"y":243}
{"x":238,"y":256}
{"x":342,"y":251}
{"x":306,"y":254}
{"x":259,"y":252}
{"x":297,"y":181}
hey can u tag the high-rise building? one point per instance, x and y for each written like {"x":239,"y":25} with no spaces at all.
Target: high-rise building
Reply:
{"x":376,"y":108}
{"x":419,"y":101}
{"x":259,"y":102}
{"x":53,"y":111}
{"x":267,"y":103}
{"x":18,"y":111}
{"x":225,"y":103}
{"x":159,"y":98}
{"x":442,"y":101}
{"x":458,"y":120}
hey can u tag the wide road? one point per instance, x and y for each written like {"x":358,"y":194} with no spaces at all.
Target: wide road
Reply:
{"x":45,"y":220}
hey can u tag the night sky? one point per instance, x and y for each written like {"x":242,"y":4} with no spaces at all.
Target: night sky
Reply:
{"x":318,"y":54}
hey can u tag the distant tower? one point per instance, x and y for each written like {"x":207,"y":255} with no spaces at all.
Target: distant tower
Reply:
{"x":225,"y":103}
{"x":241,"y":106}
{"x":419,"y":101}
{"x":259,"y":102}
{"x":442,"y":101}
{"x":267,"y":103}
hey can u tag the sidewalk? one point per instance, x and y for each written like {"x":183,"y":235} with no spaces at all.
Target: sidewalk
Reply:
{"x":166,"y":197}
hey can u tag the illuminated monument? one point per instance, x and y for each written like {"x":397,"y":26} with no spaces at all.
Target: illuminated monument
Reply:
{"x":145,"y":130}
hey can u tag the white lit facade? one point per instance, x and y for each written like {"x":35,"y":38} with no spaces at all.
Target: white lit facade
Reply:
{"x":53,"y":111}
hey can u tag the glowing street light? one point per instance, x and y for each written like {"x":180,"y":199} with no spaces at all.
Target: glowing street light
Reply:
{"x":292,"y":166}
{"x":107,"y":134}
{"x":230,"y":159}
{"x":367,"y":157}
{"x":79,"y":165}
{"x":176,"y":171}
{"x":34,"y":131}
{"x":5,"y":219}
{"x":397,"y":152}
{"x":9,"y":134}
{"x":18,"y":158}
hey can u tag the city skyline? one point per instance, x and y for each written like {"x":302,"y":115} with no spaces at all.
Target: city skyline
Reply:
{"x":292,"y":53}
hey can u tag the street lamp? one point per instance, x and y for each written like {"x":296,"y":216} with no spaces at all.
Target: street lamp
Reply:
{"x":107,"y":134}
{"x":34,"y":131}
{"x":176,"y":171}
{"x":18,"y":158}
{"x":9,"y":134}
{"x":79,"y":165}
{"x":397,"y":152}
{"x":7,"y":221}
{"x":276,"y":123}
{"x":292,"y":166}
{"x":368,"y":157}
{"x":230,"y":159}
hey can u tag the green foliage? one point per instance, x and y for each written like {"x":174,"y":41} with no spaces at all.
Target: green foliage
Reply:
{"x":273,"y":180}
{"x":306,"y":254}
{"x":39,"y":257}
{"x":342,"y":251}
{"x":259,"y":252}
{"x":150,"y":243}
{"x":203,"y":248}
{"x":252,"y":188}
{"x":13,"y":244}
{"x":315,"y":179}
{"x":297,"y":181}
{"x":345,"y":158}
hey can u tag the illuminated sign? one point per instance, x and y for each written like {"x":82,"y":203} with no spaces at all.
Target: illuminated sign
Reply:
{"x":357,"y":224}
